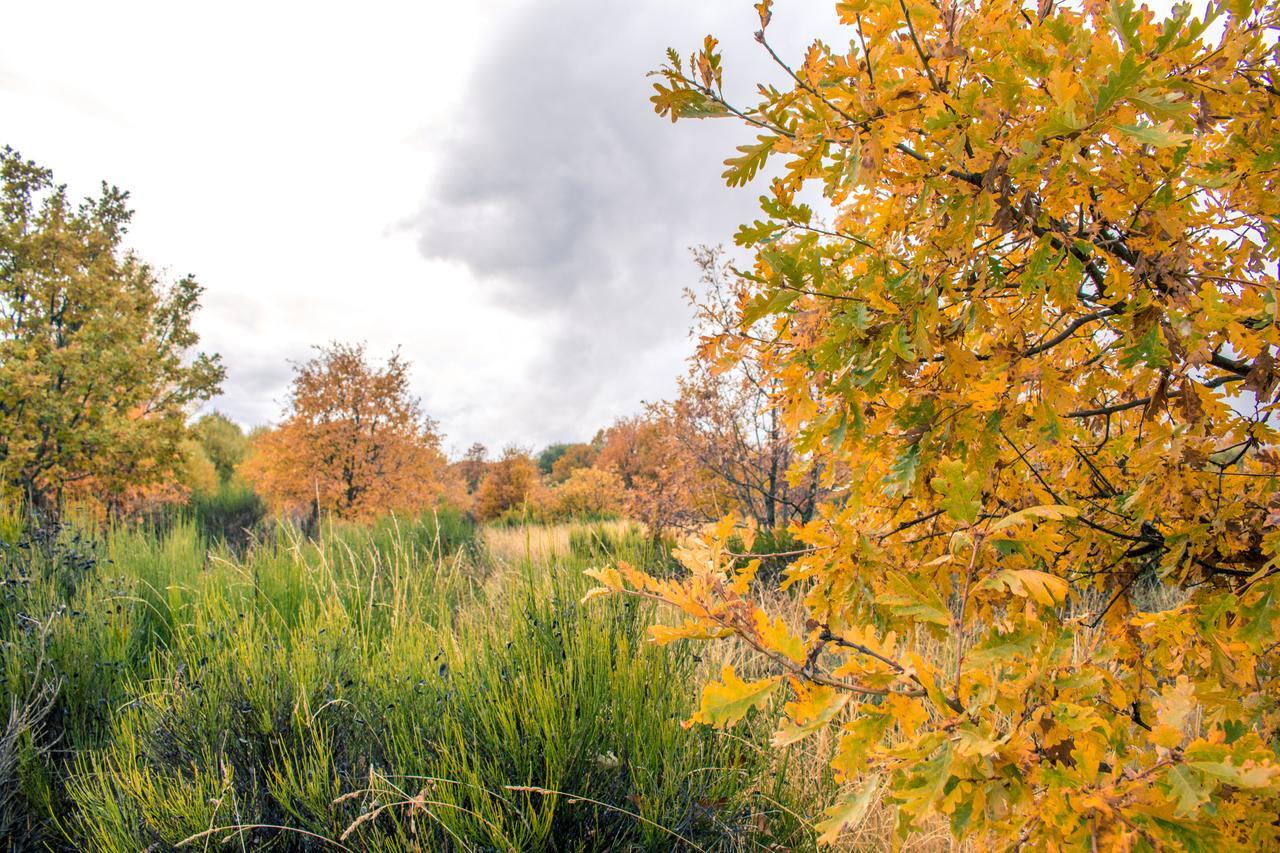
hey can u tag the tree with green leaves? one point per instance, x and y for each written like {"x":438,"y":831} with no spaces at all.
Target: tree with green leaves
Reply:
{"x":96,"y":372}
{"x":224,"y":442}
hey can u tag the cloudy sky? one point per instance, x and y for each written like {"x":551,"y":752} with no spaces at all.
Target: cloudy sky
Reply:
{"x":483,"y":184}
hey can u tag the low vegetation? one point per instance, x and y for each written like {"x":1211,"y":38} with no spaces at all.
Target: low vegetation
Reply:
{"x":404,"y":685}
{"x":974,"y":488}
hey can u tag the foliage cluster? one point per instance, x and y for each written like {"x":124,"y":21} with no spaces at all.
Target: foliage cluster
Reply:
{"x":1033,"y":347}
{"x":354,"y":442}
{"x":96,"y":373}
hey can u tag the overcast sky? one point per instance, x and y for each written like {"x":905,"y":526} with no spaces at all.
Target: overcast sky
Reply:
{"x":483,"y":184}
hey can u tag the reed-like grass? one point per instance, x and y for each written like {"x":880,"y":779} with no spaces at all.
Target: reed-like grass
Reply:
{"x":407,"y":685}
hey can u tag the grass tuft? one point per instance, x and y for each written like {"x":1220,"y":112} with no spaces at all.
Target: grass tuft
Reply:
{"x":412,"y":684}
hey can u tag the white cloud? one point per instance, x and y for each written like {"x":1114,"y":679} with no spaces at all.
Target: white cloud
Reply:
{"x":483,"y":184}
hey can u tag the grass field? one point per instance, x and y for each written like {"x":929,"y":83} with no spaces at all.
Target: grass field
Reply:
{"x":412,"y":685}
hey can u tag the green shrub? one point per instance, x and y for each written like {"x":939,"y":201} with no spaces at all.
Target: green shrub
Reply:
{"x":231,"y":514}
{"x":381,"y":677}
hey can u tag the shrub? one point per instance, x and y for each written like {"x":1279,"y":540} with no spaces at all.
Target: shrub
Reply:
{"x":589,"y":493}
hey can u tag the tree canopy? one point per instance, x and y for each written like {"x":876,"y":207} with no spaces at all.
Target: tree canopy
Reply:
{"x":1030,"y":333}
{"x":354,"y":441}
{"x":97,"y":376}
{"x":223,"y":442}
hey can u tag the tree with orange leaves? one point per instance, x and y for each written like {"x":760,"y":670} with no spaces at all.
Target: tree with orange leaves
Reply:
{"x":1035,"y":346}
{"x":659,"y":482}
{"x":354,"y":441}
{"x":589,"y":493}
{"x":511,"y":484}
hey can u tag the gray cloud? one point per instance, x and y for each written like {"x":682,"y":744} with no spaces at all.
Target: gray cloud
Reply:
{"x":570,"y":200}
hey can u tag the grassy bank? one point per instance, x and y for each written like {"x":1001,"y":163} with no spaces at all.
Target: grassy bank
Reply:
{"x":402,"y":686}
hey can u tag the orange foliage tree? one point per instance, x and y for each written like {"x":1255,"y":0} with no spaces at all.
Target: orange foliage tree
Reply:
{"x":511,"y":484}
{"x":575,"y":457}
{"x":589,"y":493}
{"x":658,"y":481}
{"x":354,"y":441}
{"x":1035,"y":346}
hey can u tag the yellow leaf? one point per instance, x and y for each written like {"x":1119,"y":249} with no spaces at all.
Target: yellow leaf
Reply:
{"x":1052,"y":512}
{"x":1045,"y":588}
{"x":610,"y":581}
{"x":743,"y":577}
{"x":777,"y":636}
{"x":688,"y":630}
{"x":1042,"y":587}
{"x":596,"y":592}
{"x":813,"y":708}
{"x":1175,"y":703}
{"x":727,"y":701}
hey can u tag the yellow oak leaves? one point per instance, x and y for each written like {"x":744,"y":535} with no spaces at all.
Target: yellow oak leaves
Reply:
{"x":1029,"y":336}
{"x":727,"y":701}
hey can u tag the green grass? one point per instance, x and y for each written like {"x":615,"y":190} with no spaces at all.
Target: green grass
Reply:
{"x":389,"y":687}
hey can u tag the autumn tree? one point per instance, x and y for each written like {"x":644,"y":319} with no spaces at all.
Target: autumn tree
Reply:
{"x":658,"y":481}
{"x":549,"y":455}
{"x":511,"y":484}
{"x":97,"y":375}
{"x":1034,"y":345}
{"x":473,"y":465}
{"x":589,"y":493}
{"x":574,"y":457}
{"x":197,"y":472}
{"x":354,"y":441}
{"x":724,"y":420}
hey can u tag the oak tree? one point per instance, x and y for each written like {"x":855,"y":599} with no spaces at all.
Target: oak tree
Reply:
{"x":511,"y":485}
{"x":574,"y":457}
{"x":589,"y":493}
{"x":1031,"y":332}
{"x":354,"y":441}
{"x":657,"y":480}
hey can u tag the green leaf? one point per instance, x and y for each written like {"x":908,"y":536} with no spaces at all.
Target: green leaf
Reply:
{"x":756,"y":233}
{"x":744,"y":168}
{"x":1157,"y":136}
{"x":1002,"y":648}
{"x":959,"y":488}
{"x":1119,"y":83}
{"x":914,"y":599}
{"x":902,"y":474}
{"x":1124,"y":20}
{"x":1161,"y":106}
{"x":899,"y":343}
{"x":762,"y":307}
{"x":848,"y":811}
{"x":1148,"y":350}
{"x":926,"y":782}
{"x":1187,"y":788}
{"x":683,"y":102}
